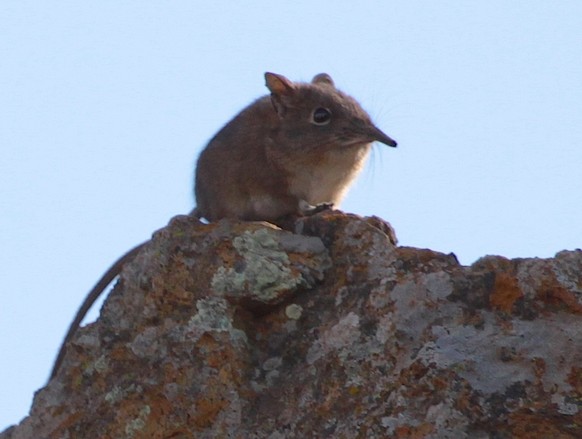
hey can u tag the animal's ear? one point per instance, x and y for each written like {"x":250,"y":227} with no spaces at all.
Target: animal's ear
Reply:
{"x":278,"y":84}
{"x":323,"y":79}
{"x":281,"y":90}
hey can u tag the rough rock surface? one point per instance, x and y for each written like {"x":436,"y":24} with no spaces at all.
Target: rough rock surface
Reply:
{"x":243,"y":330}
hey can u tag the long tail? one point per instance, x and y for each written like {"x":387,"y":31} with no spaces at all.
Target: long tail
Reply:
{"x":93,"y":295}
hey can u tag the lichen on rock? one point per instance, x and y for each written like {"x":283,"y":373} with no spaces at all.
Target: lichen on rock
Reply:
{"x":240,"y":330}
{"x":267,"y":271}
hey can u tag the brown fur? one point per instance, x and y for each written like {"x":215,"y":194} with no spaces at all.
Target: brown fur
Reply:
{"x":270,"y":158}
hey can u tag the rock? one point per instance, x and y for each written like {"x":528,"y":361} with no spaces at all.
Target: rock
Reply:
{"x":244,"y":330}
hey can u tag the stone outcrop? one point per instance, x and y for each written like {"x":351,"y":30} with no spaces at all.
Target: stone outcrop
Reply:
{"x":244,"y":330}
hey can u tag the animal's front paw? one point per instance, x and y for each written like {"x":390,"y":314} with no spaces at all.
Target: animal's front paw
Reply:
{"x":307,"y":209}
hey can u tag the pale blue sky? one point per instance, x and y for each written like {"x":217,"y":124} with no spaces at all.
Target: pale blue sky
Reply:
{"x":104,"y":107}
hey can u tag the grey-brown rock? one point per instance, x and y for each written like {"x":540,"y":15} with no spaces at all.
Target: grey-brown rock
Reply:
{"x":244,"y":330}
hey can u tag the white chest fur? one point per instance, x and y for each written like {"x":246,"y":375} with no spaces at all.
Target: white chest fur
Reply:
{"x":327,"y":180}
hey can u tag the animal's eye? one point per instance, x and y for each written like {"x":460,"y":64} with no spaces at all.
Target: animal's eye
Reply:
{"x":321,"y":116}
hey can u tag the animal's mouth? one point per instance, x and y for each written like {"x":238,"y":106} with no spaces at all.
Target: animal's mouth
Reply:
{"x":365,"y":135}
{"x":356,"y":143}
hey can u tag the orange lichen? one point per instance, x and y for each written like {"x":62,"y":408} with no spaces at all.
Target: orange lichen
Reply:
{"x":554,"y":294}
{"x":575,"y":379}
{"x":526,"y":424}
{"x":414,"y":432}
{"x":505,"y":292}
